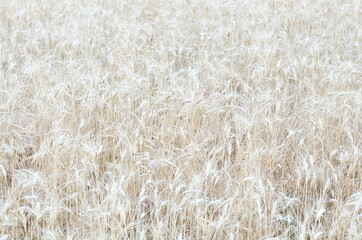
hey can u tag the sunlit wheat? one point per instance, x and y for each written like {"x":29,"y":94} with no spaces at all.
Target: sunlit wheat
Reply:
{"x":180,"y":119}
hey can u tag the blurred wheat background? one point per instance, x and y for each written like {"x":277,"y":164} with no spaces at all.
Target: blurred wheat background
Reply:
{"x":180,"y":119}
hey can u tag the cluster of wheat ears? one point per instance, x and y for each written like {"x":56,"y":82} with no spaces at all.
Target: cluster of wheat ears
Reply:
{"x":180,"y":119}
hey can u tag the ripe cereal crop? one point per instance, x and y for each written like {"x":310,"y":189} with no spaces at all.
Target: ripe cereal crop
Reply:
{"x":140,"y":119}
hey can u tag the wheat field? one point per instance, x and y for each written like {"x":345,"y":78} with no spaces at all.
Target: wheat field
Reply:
{"x":180,"y":119}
